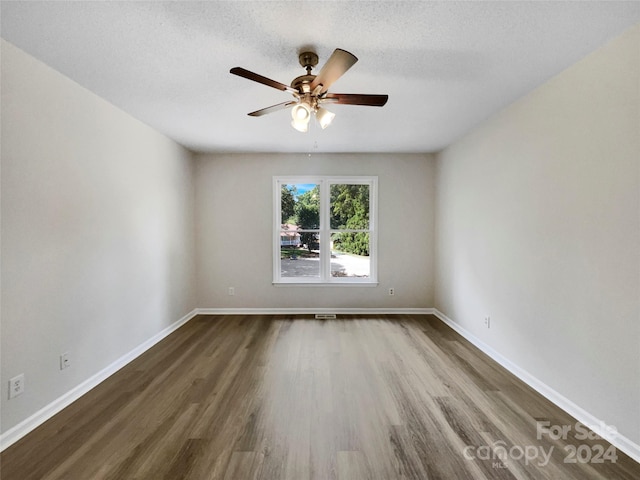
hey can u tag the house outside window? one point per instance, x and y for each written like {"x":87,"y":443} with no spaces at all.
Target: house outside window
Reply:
{"x":325,"y":230}
{"x":289,"y":236}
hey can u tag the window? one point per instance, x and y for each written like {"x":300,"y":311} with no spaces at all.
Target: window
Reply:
{"x":325,"y":230}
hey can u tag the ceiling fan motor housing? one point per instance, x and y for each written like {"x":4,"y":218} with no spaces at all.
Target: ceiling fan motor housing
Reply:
{"x":299,"y":83}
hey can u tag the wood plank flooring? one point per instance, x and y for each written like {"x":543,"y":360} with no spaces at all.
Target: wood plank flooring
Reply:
{"x":276,"y":398}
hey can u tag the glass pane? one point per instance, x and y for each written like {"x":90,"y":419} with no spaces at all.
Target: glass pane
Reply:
{"x":349,"y":206}
{"x":300,"y":205}
{"x":344,"y":263}
{"x":299,"y":254}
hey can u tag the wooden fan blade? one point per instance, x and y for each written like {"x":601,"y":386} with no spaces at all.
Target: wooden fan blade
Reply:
{"x":272,"y":108}
{"x":356,"y":99}
{"x":241,"y":72}
{"x":339,"y":62}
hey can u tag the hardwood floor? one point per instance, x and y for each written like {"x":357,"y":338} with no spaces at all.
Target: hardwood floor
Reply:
{"x":261,"y":397}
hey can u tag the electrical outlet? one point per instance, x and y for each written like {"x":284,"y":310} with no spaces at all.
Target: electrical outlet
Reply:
{"x":65,"y":361}
{"x":392,"y":291}
{"x":231,"y":291}
{"x":16,"y":386}
{"x":487,"y":321}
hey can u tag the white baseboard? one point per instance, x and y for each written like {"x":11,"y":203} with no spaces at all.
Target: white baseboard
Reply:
{"x":20,"y":430}
{"x":305,"y":311}
{"x":597,"y":425}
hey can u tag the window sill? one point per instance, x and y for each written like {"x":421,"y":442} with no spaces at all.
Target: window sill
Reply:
{"x":325,"y":284}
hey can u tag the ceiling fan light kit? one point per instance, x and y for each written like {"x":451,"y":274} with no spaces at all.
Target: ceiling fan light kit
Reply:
{"x":324,"y":117}
{"x":301,"y":114}
{"x":310,"y":92}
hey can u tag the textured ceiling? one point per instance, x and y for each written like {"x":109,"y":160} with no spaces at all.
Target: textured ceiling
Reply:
{"x":446,"y":66}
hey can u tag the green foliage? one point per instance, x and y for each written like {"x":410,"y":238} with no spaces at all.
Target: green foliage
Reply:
{"x":288,"y":252}
{"x":307,"y":212}
{"x":350,"y":206}
{"x":350,"y":242}
{"x":287,"y":202}
{"x":350,"y":210}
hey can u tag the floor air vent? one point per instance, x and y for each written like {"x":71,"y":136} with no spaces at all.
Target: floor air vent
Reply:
{"x":325,"y":316}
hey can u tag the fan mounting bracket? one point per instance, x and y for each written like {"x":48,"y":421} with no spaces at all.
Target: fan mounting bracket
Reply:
{"x":308,"y":60}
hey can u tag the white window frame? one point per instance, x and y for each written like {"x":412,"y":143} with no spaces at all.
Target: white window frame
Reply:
{"x":324,"y":182}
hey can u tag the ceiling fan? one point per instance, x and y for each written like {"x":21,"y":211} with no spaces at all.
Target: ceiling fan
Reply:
{"x":310,"y":92}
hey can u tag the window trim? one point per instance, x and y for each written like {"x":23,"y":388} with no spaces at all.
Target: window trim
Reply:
{"x":324,"y":182}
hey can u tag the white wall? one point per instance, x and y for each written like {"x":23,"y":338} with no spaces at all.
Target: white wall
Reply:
{"x":538,"y":226}
{"x":234,"y":213}
{"x":97,"y":233}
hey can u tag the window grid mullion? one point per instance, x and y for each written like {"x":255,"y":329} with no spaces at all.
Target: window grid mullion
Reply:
{"x":325,"y":246}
